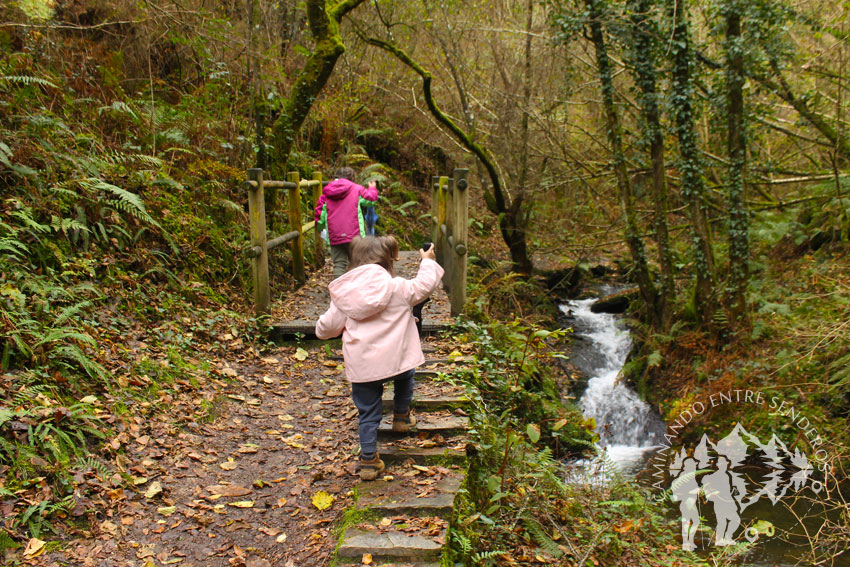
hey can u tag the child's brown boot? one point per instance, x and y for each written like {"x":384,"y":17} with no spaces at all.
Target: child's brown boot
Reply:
{"x":402,"y":422}
{"x":369,"y":470}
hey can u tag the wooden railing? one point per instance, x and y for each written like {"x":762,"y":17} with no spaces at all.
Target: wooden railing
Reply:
{"x":450,"y":217}
{"x":260,"y":243}
{"x":449,"y":213}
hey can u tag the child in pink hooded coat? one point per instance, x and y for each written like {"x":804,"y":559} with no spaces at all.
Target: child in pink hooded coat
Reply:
{"x":372,"y":310}
{"x":341,"y":200}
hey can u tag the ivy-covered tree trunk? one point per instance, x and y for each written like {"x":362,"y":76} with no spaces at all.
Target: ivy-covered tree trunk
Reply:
{"x":642,"y":55}
{"x":690,"y":166}
{"x":324,"y":20}
{"x":513,"y":216}
{"x":739,"y":240}
{"x":596,"y":12}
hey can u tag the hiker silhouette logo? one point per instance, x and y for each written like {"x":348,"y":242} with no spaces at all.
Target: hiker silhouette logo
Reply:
{"x":711,"y":476}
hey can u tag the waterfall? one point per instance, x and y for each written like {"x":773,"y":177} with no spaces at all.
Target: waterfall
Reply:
{"x":627,"y":426}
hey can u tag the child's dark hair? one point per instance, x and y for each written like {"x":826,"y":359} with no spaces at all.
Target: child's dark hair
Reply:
{"x":345,"y":173}
{"x":381,"y":250}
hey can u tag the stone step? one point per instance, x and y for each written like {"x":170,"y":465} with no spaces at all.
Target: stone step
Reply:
{"x":392,"y":454}
{"x":392,"y":545}
{"x":410,"y":495}
{"x":427,"y":402}
{"x":441,"y":422}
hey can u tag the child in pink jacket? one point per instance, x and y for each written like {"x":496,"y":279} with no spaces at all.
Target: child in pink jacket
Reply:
{"x":372,"y":310}
{"x":340,"y":200}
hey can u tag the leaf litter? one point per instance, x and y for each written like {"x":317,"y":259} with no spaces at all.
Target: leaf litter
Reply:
{"x":262,"y":482}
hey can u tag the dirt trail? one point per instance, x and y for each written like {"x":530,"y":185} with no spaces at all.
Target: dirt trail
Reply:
{"x":237,"y":490}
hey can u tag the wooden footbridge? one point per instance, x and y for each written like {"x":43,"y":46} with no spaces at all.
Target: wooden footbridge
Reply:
{"x":409,"y":508}
{"x":296,"y":313}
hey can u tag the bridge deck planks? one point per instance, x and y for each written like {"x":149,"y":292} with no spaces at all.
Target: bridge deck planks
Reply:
{"x":298,"y":312}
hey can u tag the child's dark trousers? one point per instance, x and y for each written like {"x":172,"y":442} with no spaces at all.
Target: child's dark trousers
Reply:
{"x":368,"y":397}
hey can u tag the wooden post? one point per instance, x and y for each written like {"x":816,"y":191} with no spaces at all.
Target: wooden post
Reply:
{"x":448,"y":253}
{"x":435,"y":207}
{"x":260,"y":263}
{"x":318,"y":249}
{"x":295,"y":224}
{"x":460,"y":201}
{"x":440,"y":241}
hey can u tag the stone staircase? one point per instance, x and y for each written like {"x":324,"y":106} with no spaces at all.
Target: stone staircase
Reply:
{"x":402,"y":519}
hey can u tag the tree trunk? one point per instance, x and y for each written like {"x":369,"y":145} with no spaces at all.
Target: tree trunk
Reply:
{"x":693,"y":184}
{"x":324,"y":25}
{"x":739,"y":242}
{"x":635,"y":244}
{"x":643,"y":59}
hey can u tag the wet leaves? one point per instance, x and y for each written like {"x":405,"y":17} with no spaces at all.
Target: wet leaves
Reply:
{"x":34,"y":548}
{"x":154,"y":490}
{"x":322,"y":500}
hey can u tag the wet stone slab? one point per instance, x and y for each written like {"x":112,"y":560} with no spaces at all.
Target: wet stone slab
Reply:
{"x":442,"y":423}
{"x":390,"y":545}
{"x":410,"y":494}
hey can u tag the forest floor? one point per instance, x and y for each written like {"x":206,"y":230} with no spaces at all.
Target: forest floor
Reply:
{"x":263,"y":478}
{"x":238,"y":487}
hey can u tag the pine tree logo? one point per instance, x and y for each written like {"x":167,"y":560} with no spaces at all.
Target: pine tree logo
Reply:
{"x":711,"y":476}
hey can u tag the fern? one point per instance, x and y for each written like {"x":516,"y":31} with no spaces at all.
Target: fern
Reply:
{"x":126,"y":201}
{"x":120,"y":107}
{"x":27,"y":80}
{"x":70,"y":311}
{"x":14,"y":247}
{"x":6,"y":415}
{"x":542,"y":538}
{"x":482,"y":556}
{"x":463,"y":541}
{"x":90,"y":463}
{"x":29,"y":393}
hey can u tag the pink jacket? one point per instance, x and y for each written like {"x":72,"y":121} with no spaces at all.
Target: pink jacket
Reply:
{"x":372,"y":311}
{"x":342,"y":198}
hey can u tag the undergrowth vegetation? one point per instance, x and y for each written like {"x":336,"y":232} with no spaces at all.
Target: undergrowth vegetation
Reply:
{"x":102,"y":239}
{"x":525,"y":502}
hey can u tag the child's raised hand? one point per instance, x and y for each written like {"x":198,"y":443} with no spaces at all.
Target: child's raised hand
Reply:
{"x":427,"y":253}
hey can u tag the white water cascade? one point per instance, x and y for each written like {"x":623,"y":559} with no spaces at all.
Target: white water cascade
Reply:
{"x":628,"y":427}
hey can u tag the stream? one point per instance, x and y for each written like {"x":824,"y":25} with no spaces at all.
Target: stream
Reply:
{"x":631,"y":432}
{"x":629,"y":429}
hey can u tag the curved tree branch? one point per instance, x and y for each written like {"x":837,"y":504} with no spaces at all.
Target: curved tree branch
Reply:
{"x":499,"y":204}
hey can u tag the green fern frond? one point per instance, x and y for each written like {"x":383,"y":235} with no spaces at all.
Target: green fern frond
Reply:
{"x":482,"y":556}
{"x":14,"y":247}
{"x":464,"y":542}
{"x":27,"y":220}
{"x":27,"y":80}
{"x":74,"y":354}
{"x":120,"y":107}
{"x":71,"y":311}
{"x":64,"y":334}
{"x":6,"y":415}
{"x":231,"y":206}
{"x":93,"y":464}
{"x":545,"y":542}
{"x":29,"y":393}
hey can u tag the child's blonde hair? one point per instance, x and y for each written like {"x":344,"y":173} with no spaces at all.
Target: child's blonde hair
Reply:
{"x":381,"y":250}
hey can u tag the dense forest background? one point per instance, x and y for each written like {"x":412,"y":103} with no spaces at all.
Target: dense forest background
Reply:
{"x":698,"y":150}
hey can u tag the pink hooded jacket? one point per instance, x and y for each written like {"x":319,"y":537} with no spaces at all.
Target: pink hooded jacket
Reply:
{"x":342,"y":198}
{"x":372,"y":310}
